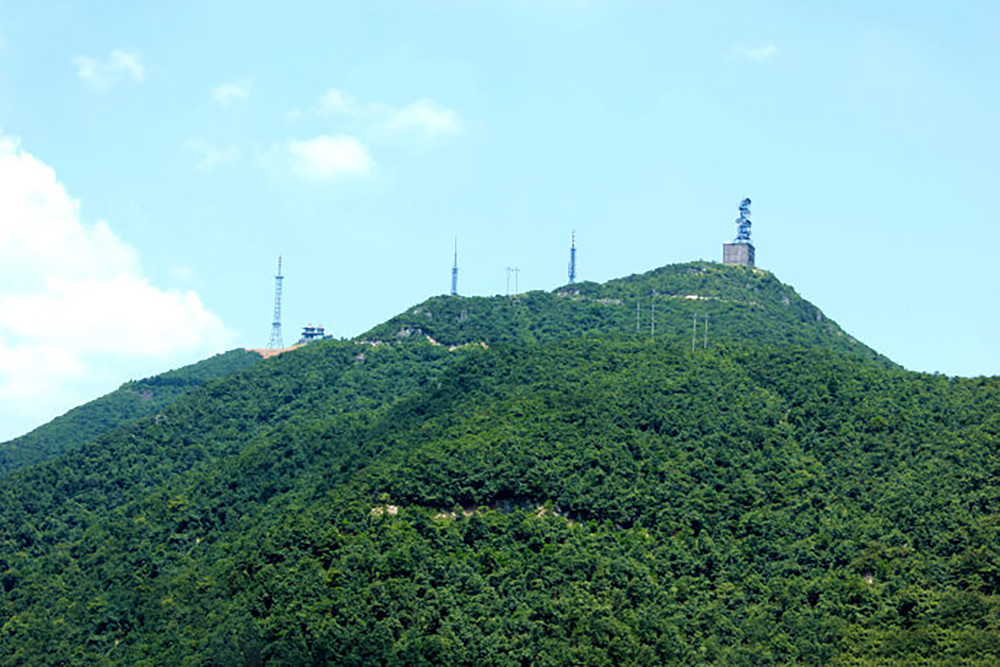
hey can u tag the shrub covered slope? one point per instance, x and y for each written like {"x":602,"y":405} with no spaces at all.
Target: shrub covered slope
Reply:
{"x":129,"y":403}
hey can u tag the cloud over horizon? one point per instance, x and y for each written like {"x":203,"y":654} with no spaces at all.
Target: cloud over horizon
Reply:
{"x":325,"y":157}
{"x":117,"y":66}
{"x":226,"y":93}
{"x":424,"y":117}
{"x":77,"y":316}
{"x":761,"y":53}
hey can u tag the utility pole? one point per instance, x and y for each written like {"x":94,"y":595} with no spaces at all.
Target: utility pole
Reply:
{"x":652,"y":316}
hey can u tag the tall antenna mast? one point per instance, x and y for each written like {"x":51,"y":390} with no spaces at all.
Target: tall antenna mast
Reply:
{"x":454,"y":272}
{"x":572,"y":259}
{"x":275,"y":343}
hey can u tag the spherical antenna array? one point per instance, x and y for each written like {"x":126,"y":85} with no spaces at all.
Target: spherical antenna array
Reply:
{"x":743,"y":222}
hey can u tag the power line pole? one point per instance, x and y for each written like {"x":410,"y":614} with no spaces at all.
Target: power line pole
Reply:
{"x":652,"y":316}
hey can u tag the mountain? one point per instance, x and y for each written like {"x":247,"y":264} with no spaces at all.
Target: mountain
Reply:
{"x":129,"y":403}
{"x":527,"y":480}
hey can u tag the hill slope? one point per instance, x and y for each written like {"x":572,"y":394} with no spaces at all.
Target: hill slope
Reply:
{"x":130,"y":402}
{"x":599,"y":498}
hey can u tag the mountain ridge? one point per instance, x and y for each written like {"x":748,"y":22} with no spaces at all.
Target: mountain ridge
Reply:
{"x":739,"y":303}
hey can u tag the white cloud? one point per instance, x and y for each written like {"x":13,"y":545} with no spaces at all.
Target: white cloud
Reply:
{"x":75,"y":308}
{"x":211,"y":156}
{"x":117,"y":66}
{"x":337,"y":101}
{"x":424,"y":116}
{"x":327,"y":157}
{"x":225,"y":93}
{"x":761,"y":53}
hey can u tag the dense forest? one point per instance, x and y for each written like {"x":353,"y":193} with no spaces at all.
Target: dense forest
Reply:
{"x":129,"y":403}
{"x":529,"y":480}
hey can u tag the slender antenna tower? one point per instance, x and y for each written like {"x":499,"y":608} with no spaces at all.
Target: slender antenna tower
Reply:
{"x":454,"y":272}
{"x":275,"y":343}
{"x":509,"y":269}
{"x":572,"y":259}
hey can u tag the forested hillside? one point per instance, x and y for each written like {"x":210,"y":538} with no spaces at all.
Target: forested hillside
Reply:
{"x":572,"y":494}
{"x":130,"y":402}
{"x":735,"y":303}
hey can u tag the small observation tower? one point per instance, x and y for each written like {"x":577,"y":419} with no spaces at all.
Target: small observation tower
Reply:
{"x":741,"y":250}
{"x":311,"y":333}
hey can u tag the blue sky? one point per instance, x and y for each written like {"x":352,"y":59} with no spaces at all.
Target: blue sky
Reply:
{"x":156,"y":158}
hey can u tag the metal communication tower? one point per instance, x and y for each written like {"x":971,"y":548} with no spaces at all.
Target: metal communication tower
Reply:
{"x":275,"y":343}
{"x":572,"y":259}
{"x":454,"y":272}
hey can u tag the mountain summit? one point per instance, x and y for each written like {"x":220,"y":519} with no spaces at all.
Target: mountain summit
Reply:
{"x":672,"y":304}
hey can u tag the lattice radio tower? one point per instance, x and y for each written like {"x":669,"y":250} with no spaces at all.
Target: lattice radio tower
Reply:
{"x":454,"y":272}
{"x":572,"y":260}
{"x":275,"y":343}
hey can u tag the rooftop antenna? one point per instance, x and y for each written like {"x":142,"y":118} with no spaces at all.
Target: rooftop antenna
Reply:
{"x":572,"y":259}
{"x":275,"y":343}
{"x":454,"y":272}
